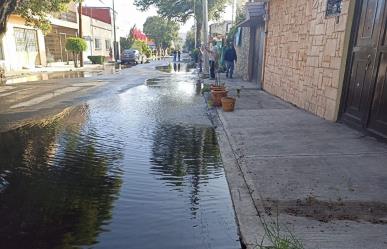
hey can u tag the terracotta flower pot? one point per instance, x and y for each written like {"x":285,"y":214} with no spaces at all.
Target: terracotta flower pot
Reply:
{"x":215,"y":87}
{"x":217,"y":96}
{"x":228,"y":104}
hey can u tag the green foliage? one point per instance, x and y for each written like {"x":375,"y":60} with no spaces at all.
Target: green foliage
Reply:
{"x":76,"y":44}
{"x":240,"y":17}
{"x":278,"y":238}
{"x":189,"y":43}
{"x":161,"y":30}
{"x":142,"y":47}
{"x":127,"y":42}
{"x":35,"y":12}
{"x":146,"y":50}
{"x":195,"y":55}
{"x":97,"y":59}
{"x":181,"y":11}
{"x":231,"y":34}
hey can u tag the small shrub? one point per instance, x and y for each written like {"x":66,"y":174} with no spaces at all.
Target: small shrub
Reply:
{"x":76,"y":45}
{"x":96,"y":59}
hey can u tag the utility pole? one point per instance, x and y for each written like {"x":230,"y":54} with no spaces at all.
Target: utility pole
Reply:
{"x":80,"y":31}
{"x":205,"y":37}
{"x":115,"y":45}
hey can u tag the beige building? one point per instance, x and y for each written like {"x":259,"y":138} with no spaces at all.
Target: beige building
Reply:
{"x":99,"y":37}
{"x":325,"y":56}
{"x":64,"y":25}
{"x":21,"y":46}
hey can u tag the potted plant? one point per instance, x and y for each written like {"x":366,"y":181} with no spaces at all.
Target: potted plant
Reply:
{"x":217,"y":95}
{"x":228,"y":104}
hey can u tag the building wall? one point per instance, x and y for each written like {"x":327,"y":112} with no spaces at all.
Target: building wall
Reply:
{"x":55,"y":42}
{"x":95,"y":29}
{"x":241,"y":67}
{"x":17,"y":60}
{"x":304,"y":54}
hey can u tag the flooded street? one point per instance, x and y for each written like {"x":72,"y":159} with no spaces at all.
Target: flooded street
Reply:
{"x":140,"y":169}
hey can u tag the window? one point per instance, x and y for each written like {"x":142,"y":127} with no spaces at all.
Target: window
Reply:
{"x":107,"y":45}
{"x":26,"y":40}
{"x":97,"y":43}
{"x":334,"y":7}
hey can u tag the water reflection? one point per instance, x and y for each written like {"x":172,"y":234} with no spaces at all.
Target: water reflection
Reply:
{"x":61,"y":184}
{"x":176,"y":68}
{"x":186,"y":156}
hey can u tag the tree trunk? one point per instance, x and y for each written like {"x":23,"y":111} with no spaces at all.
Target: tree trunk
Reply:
{"x":6,"y":9}
{"x":75,"y":57}
{"x":198,"y":34}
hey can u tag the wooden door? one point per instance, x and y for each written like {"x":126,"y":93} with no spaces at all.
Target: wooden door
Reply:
{"x":378,"y":113}
{"x":364,"y":98}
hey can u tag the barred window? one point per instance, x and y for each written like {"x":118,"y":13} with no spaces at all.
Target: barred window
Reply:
{"x":26,"y":40}
{"x":107,"y":45}
{"x":334,"y":7}
{"x":97,"y":43}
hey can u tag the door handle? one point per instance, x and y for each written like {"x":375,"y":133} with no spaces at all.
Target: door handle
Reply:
{"x":368,"y":62}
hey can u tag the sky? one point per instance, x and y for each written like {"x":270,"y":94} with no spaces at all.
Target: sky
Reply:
{"x":128,"y":15}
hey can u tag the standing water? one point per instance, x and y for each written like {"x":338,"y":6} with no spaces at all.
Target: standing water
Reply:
{"x":138,"y":170}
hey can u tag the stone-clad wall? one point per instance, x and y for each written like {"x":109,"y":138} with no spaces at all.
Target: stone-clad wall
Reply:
{"x":304,"y":54}
{"x":241,"y":67}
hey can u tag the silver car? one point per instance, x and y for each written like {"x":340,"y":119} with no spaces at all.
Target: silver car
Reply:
{"x":130,"y":56}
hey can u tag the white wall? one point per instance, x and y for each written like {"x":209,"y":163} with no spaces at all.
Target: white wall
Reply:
{"x":96,"y":29}
{"x":12,"y":59}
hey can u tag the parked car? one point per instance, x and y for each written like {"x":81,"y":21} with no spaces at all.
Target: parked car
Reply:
{"x":131,"y":56}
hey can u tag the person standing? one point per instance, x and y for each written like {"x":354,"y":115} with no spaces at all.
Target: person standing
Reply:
{"x":174,"y":55}
{"x":212,"y":56}
{"x":230,"y":57}
{"x":178,"y":55}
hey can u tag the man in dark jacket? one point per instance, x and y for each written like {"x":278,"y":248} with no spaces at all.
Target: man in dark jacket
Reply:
{"x":230,"y":57}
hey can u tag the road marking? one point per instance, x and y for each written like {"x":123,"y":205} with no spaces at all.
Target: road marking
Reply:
{"x":13,"y":92}
{"x":45,"y":97}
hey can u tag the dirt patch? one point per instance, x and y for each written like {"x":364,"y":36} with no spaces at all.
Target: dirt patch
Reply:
{"x":326,"y":211}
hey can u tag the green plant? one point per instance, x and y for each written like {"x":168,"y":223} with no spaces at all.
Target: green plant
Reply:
{"x":97,"y":59}
{"x":76,"y":45}
{"x":278,"y":237}
{"x":195,"y":55}
{"x":206,"y":88}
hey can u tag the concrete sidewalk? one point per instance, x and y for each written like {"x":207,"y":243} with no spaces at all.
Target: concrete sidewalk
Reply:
{"x":325,"y":182}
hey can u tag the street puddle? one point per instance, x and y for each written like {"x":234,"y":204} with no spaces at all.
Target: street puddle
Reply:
{"x":176,"y":67}
{"x":326,"y":211}
{"x":139,"y":168}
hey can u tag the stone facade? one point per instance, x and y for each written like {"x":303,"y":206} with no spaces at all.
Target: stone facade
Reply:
{"x":241,"y":67}
{"x":304,"y":54}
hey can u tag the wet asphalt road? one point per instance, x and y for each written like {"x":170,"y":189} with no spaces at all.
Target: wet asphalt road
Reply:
{"x":130,"y":163}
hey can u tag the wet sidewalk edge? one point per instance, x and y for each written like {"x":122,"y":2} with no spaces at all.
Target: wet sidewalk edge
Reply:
{"x":246,"y":213}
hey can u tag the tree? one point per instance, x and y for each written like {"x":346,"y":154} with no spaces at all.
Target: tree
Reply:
{"x":127,"y":42}
{"x":76,"y":45}
{"x":181,"y":11}
{"x":161,"y":30}
{"x":35,"y":12}
{"x":189,"y":43}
